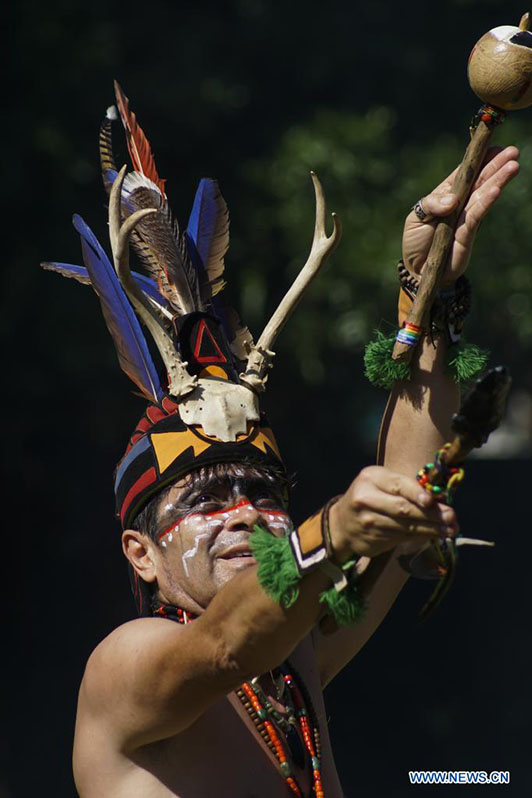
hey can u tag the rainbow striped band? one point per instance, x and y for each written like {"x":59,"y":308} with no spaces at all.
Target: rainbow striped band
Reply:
{"x":409,"y":334}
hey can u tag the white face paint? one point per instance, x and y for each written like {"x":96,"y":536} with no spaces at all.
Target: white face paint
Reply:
{"x":279,"y":523}
{"x":189,"y":553}
{"x":205,"y":548}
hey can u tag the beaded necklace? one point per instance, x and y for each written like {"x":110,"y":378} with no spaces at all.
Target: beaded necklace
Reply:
{"x":266,"y":718}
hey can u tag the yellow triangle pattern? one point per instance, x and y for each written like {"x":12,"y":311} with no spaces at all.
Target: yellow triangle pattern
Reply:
{"x":264,"y":437}
{"x":169,"y":445}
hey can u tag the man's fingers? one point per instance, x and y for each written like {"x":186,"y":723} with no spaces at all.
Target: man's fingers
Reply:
{"x":498,"y":179}
{"x":439,"y":204}
{"x":446,"y":185}
{"x":402,"y":509}
{"x":398,"y":485}
{"x":483,"y":199}
{"x":497,"y":159}
{"x":405,"y":530}
{"x":408,"y":516}
{"x":472,"y":216}
{"x":402,"y":500}
{"x":492,"y":187}
{"x":383,"y":509}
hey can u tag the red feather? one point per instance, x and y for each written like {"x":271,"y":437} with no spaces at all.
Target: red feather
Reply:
{"x":137,"y":143}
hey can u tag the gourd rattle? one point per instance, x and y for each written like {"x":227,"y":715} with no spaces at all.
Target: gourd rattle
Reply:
{"x":500,"y":74}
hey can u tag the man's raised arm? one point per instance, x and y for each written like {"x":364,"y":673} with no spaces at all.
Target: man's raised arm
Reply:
{"x":417,"y":418}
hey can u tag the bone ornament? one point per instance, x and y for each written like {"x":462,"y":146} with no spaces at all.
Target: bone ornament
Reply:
{"x":500,"y":73}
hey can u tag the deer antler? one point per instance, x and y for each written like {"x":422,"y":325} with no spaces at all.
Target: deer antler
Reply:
{"x":180,"y":381}
{"x":260,"y":357}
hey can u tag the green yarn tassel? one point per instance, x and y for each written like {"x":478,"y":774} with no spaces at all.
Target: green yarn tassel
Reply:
{"x":465,"y":361}
{"x":279,"y":576}
{"x":380,"y":369}
{"x":347,"y":607}
{"x":277,"y":573}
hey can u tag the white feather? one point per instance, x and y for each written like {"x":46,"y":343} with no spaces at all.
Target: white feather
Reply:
{"x":135,"y":180}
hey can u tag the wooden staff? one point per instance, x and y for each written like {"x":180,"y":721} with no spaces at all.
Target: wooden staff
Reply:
{"x":500,"y":73}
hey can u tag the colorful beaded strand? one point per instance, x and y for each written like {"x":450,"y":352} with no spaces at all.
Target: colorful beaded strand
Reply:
{"x":259,"y":725}
{"x":307,"y":736}
{"x":489,"y":114}
{"x":451,"y":476}
{"x":260,"y":710}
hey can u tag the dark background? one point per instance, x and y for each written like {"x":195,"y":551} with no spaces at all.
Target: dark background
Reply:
{"x":375,"y":98}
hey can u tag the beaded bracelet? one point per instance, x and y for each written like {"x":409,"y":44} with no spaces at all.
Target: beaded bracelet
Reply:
{"x":409,"y":334}
{"x":284,"y":561}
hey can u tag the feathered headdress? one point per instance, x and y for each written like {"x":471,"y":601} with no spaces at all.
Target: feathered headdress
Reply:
{"x":206,"y":408}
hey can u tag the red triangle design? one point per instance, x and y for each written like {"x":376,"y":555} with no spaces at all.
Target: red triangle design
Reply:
{"x":218,"y":356}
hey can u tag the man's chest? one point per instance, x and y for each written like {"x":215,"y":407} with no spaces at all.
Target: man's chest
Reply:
{"x":232,"y":750}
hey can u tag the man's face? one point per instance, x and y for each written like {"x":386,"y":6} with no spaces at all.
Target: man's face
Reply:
{"x":203,"y":535}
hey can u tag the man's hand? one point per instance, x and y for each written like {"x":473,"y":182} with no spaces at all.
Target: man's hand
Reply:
{"x":382,"y":509}
{"x":500,"y":167}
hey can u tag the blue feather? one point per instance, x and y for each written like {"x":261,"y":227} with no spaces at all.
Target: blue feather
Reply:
{"x":81,"y":274}
{"x":207,"y":239}
{"x":202,"y":218}
{"x":109,"y":176}
{"x":132,"y":350}
{"x":78,"y":273}
{"x":208,"y":227}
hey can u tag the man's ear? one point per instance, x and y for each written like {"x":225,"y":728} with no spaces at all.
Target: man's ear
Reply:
{"x":138,"y":549}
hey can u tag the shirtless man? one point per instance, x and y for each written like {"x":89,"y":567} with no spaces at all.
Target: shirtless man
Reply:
{"x":157,"y":713}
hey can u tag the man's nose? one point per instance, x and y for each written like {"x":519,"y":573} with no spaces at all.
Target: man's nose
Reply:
{"x":243,"y":515}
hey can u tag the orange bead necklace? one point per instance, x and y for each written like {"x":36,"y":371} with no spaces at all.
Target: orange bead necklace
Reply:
{"x":270,"y":724}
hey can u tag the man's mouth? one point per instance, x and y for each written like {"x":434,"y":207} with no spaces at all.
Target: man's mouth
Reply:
{"x":242,"y":550}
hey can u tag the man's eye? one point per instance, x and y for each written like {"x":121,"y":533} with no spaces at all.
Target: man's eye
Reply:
{"x":267,"y":501}
{"x":207,"y":499}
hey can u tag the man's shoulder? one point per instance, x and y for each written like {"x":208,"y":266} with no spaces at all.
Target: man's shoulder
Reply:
{"x":126,"y":651}
{"x":134,"y":632}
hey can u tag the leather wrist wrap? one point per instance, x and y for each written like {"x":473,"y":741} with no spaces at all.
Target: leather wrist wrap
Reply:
{"x":311,"y":542}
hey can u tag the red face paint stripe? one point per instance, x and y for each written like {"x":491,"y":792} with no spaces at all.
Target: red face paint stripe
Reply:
{"x":170,"y":528}
{"x":241,"y":503}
